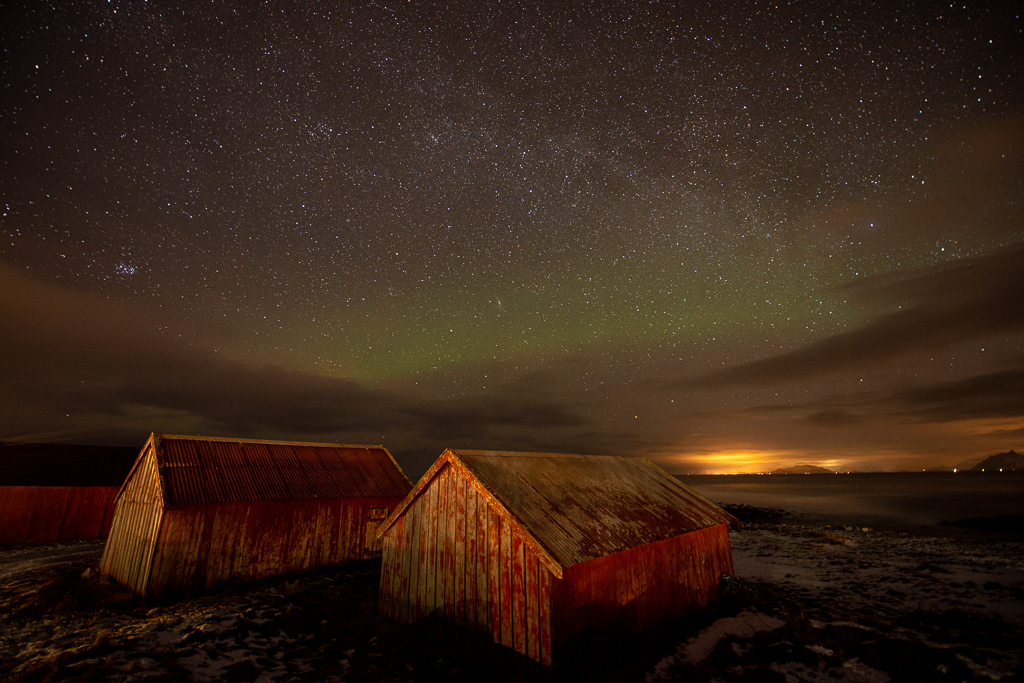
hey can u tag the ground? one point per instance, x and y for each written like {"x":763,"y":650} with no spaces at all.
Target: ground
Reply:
{"x":810,"y":604}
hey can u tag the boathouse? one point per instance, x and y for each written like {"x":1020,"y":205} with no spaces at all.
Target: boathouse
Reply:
{"x":55,"y":492}
{"x":200,"y":511}
{"x":534,"y":552}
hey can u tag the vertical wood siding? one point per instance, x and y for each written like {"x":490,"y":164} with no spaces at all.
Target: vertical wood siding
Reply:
{"x":459,"y":559}
{"x":54,"y":513}
{"x":453,"y":566}
{"x":202,"y":546}
{"x":129,"y":548}
{"x":639,"y":588}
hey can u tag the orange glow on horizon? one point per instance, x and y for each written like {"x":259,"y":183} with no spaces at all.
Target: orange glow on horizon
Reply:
{"x":751,"y":461}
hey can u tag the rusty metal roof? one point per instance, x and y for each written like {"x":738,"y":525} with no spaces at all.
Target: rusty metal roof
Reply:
{"x":198,"y":470}
{"x":62,"y":465}
{"x":581,"y":507}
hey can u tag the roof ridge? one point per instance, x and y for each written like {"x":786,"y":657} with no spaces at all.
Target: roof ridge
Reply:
{"x":231,"y":439}
{"x":575,"y":507}
{"x":530,"y":454}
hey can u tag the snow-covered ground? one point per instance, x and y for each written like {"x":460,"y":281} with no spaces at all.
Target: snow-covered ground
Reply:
{"x":882,"y":573}
{"x":853,"y":604}
{"x":23,"y":558}
{"x":810,"y":604}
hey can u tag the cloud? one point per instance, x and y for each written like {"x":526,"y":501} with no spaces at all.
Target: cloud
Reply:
{"x":988,"y":395}
{"x":479,"y":415}
{"x":995,"y":394}
{"x":76,"y":353}
{"x":952,"y":303}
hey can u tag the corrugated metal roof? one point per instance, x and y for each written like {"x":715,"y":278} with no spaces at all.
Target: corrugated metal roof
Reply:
{"x":56,"y":464}
{"x":199,"y":470}
{"x":581,"y":507}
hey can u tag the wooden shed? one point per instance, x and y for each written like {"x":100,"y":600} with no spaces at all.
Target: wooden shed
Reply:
{"x":198,"y":511}
{"x":55,"y":492}
{"x":535,"y":552}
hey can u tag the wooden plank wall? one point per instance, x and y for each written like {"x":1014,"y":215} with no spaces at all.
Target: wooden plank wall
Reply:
{"x":205,"y":545}
{"x":137,"y":515}
{"x":30,"y":514}
{"x":637,"y":589}
{"x":454,"y":566}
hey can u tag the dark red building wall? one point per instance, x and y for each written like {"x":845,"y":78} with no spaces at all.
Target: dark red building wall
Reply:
{"x":201,"y":546}
{"x":30,"y":514}
{"x":639,"y":588}
{"x":455,"y":567}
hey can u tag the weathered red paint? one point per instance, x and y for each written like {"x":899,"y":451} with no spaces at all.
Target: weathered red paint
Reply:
{"x":497,"y":585}
{"x":29,"y":514}
{"x":52,"y":492}
{"x":202,"y":546}
{"x":198,"y":512}
{"x":654,"y":583}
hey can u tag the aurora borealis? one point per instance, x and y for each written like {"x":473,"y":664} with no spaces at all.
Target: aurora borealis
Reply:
{"x":728,"y":237}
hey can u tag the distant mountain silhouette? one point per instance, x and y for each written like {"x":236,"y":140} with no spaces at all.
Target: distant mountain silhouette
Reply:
{"x":965,"y":465}
{"x":1001,"y":461}
{"x":803,"y":469}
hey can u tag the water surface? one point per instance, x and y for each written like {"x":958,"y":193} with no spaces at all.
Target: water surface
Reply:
{"x":902,"y":501}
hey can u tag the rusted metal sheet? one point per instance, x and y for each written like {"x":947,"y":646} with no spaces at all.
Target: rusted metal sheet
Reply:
{"x":505,"y":599}
{"x":426,"y":588}
{"x":682,"y":574}
{"x":544,"y":613}
{"x":469,"y":616}
{"x":494,"y":574}
{"x":575,"y":508}
{"x":51,"y":492}
{"x":441,"y":541}
{"x":201,"y":470}
{"x":373,"y":520}
{"x":532,"y":596}
{"x":139,"y":510}
{"x":408,"y":565}
{"x":449,"y":557}
{"x":391,"y":571}
{"x":458,"y":577}
{"x":29,"y":514}
{"x":582,"y":507}
{"x":497,"y":581}
{"x":480,"y":569}
{"x":203,"y":546}
{"x":474,"y":585}
{"x":197,"y":512}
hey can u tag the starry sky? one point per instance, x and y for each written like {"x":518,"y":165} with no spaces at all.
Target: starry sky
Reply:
{"x":726,"y":236}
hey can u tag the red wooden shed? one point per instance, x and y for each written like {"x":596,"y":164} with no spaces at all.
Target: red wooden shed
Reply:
{"x":54,"y":492}
{"x":535,"y":551}
{"x":200,"y":511}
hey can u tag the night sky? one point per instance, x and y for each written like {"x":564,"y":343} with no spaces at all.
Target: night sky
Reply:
{"x":725,"y":236}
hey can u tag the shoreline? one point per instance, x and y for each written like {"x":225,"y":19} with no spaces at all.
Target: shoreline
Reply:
{"x":925,"y":503}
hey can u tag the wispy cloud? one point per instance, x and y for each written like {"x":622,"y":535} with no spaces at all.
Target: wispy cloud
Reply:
{"x":81,"y":354}
{"x":969,"y":299}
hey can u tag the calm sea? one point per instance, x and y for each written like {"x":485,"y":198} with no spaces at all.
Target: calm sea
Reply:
{"x":903,"y":501}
